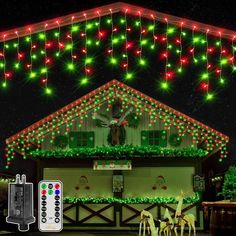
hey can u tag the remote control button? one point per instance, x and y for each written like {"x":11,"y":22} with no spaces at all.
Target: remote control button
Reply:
{"x":44,"y":208}
{"x":50,"y":186}
{"x":44,"y":191}
{"x":57,"y":191}
{"x":57,"y":197}
{"x":50,"y":191}
{"x":57,"y":214}
{"x":57,"y":186}
{"x":43,"y":197}
{"x":57,"y":208}
{"x":44,"y":220}
{"x":57,"y":203}
{"x":57,"y":220}
{"x":43,"y":186}
{"x":44,"y":214}
{"x":44,"y":203}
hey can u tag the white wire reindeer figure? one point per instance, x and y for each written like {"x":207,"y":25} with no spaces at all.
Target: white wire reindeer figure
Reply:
{"x":181,"y":220}
{"x":147,"y":221}
{"x":166,"y":225}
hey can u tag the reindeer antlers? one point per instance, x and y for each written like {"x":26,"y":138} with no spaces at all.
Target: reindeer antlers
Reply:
{"x":104,"y":121}
{"x":122,"y":118}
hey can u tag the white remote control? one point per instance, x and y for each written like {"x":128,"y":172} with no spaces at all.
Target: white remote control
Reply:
{"x":50,"y":206}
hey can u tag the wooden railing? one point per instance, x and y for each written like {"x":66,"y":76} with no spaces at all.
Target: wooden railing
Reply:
{"x":105,"y":214}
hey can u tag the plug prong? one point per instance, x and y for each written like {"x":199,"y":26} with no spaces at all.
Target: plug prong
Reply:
{"x":17,"y":179}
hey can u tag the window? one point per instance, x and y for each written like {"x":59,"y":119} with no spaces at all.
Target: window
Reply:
{"x":154,"y":137}
{"x":81,"y":139}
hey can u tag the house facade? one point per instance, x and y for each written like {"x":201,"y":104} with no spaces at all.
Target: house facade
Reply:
{"x":117,"y":152}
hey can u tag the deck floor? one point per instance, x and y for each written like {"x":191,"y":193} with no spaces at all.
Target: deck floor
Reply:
{"x":100,"y":233}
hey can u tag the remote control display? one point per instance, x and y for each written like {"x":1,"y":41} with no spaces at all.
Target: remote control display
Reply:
{"x":50,"y":206}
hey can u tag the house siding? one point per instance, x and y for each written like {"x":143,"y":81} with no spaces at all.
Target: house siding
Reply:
{"x":133,"y":135}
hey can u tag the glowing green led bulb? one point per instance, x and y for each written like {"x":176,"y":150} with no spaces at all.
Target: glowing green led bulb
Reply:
{"x":43,"y":70}
{"x":205,"y":76}
{"x":180,"y":70}
{"x":34,"y":56}
{"x":129,"y":76}
{"x":224,"y":61}
{"x":17,"y":65}
{"x":41,"y":36}
{"x":122,"y":21}
{"x":48,"y":91}
{"x":4,"y":84}
{"x":75,"y":28}
{"x":170,"y":30}
{"x":32,"y":75}
{"x":144,"y":41}
{"x":115,"y":40}
{"x":89,"y":26}
{"x":151,"y":27}
{"x":142,"y":62}
{"x":70,"y":66}
{"x":164,"y":85}
{"x":28,"y":39}
{"x":68,"y":46}
{"x":84,"y":81}
{"x":152,"y":46}
{"x":196,"y":39}
{"x":209,"y":96}
{"x":222,"y":81}
{"x":88,"y":60}
{"x":89,"y":42}
{"x":113,"y":60}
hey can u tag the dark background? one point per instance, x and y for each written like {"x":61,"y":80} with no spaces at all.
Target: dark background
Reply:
{"x":24,"y":105}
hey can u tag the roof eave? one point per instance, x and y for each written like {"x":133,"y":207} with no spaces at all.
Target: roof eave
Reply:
{"x":114,"y":8}
{"x":92,"y":93}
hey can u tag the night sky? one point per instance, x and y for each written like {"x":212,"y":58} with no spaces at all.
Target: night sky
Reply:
{"x":23,"y":105}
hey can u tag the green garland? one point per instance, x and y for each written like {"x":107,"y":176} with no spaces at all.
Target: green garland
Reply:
{"x":121,"y":152}
{"x":137,"y":200}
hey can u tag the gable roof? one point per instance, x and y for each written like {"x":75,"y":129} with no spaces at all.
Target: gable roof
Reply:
{"x":114,"y":8}
{"x":142,"y":103}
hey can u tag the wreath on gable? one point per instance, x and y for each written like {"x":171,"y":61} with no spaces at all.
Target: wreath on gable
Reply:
{"x":175,"y":140}
{"x":60,"y":141}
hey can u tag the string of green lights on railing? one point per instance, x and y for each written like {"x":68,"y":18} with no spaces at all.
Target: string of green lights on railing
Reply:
{"x":120,"y":42}
{"x":130,"y":200}
{"x":74,"y":114}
